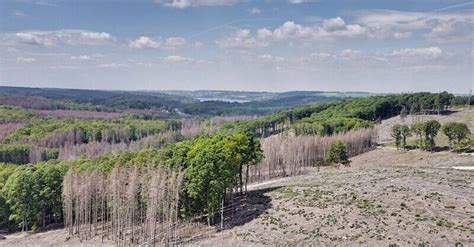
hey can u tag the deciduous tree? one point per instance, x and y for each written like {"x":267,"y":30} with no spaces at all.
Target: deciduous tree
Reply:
{"x":457,"y":133}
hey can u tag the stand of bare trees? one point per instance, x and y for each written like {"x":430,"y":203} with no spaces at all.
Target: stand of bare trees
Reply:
{"x":224,"y":119}
{"x":78,"y":114}
{"x":8,"y":127}
{"x":289,"y":155}
{"x":129,"y":205}
{"x":96,"y":149}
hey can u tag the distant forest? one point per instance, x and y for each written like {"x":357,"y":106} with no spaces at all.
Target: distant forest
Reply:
{"x":167,"y":103}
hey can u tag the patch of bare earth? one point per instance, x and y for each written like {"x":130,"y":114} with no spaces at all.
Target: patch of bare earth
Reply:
{"x":385,"y":197}
{"x":50,"y":238}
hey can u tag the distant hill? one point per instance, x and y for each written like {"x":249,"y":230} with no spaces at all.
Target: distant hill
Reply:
{"x":176,"y":102}
{"x":244,"y":96}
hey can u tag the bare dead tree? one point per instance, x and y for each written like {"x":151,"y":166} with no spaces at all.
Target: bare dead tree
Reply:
{"x":129,"y":205}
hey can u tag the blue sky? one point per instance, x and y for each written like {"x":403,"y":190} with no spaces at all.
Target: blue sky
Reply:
{"x":269,"y":45}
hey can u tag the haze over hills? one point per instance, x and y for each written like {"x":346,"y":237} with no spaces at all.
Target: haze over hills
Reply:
{"x":246,"y":96}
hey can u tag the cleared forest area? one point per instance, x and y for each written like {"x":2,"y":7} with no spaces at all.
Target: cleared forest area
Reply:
{"x":386,"y":196}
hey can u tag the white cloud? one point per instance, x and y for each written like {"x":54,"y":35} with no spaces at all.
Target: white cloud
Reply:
{"x":441,"y":27}
{"x":301,"y":1}
{"x":64,"y":67}
{"x":321,"y":55}
{"x":82,"y":58}
{"x":334,"y":24}
{"x":112,"y":65}
{"x":447,"y":31}
{"x":175,"y":43}
{"x":52,"y":38}
{"x":178,"y":59}
{"x":241,"y":39}
{"x":144,"y":42}
{"x":94,"y":36}
{"x":376,"y":24}
{"x":171,"y":43}
{"x":181,"y":4}
{"x":331,"y":29}
{"x":33,"y":39}
{"x":349,"y":53}
{"x":25,"y":59}
{"x":255,"y":11}
{"x":427,"y":52}
{"x":271,"y":58}
{"x":407,"y":59}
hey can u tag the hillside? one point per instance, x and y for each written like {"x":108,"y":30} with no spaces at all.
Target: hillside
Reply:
{"x":141,"y":176}
{"x":394,"y":197}
{"x":456,"y":115}
{"x":171,"y":103}
{"x":386,"y":196}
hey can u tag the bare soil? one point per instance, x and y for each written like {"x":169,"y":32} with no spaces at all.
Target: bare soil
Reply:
{"x":386,"y":197}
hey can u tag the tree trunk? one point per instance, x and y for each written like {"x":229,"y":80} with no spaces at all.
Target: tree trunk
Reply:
{"x":240,"y":178}
{"x":222,"y":213}
{"x":246,"y":177}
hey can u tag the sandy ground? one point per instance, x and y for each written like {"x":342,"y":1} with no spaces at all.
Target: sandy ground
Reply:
{"x":49,"y":238}
{"x":420,"y":200}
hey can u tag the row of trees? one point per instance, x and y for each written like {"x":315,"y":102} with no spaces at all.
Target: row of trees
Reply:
{"x":26,"y":153}
{"x":425,"y":131}
{"x":30,"y":195}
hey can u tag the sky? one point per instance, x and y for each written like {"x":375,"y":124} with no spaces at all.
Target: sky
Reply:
{"x":248,"y":45}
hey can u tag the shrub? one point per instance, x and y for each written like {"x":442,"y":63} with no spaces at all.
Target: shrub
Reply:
{"x":457,"y":133}
{"x":426,"y":132}
{"x":337,"y":154}
{"x":396,"y":133}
